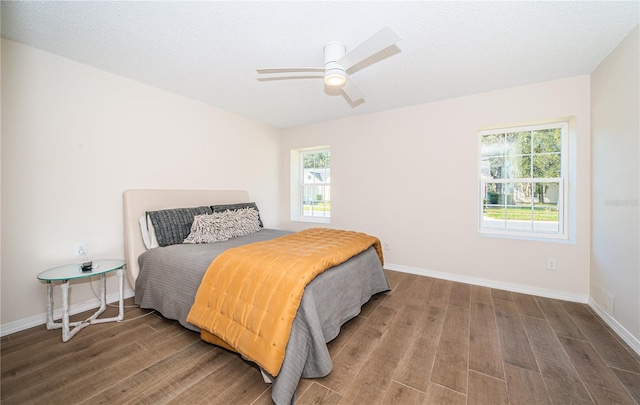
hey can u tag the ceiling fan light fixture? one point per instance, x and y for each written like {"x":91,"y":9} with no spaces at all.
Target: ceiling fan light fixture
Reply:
{"x":334,"y":79}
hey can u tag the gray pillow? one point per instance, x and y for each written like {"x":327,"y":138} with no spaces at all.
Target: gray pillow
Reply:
{"x":172,"y":226}
{"x":238,"y":206}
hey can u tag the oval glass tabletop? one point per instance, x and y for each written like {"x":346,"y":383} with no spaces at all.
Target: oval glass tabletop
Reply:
{"x":72,"y":271}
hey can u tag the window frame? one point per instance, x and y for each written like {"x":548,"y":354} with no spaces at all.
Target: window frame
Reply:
{"x":563,"y":184}
{"x":297,"y":185}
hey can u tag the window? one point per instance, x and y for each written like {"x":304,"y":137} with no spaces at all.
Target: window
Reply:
{"x":311,"y":185}
{"x":523,"y":181}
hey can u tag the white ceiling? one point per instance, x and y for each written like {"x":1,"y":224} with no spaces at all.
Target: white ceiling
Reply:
{"x":209,"y":50}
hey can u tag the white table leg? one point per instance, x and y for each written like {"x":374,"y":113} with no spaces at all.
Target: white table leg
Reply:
{"x":65,"y":324}
{"x":103,"y":292}
{"x":103,"y":298}
{"x":65,"y":310}
{"x":120,"y":273}
{"x":50,"y":323}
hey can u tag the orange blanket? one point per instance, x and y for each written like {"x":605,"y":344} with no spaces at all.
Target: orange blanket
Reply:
{"x":249,"y":295}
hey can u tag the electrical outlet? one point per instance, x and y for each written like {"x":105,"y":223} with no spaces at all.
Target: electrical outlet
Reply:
{"x":81,"y":249}
{"x":387,"y":246}
{"x":551,"y":264}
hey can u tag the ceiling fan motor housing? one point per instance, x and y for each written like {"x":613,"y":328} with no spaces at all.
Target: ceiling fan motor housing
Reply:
{"x":334,"y":74}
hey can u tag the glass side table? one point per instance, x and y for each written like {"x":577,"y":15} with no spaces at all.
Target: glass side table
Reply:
{"x":73,"y":272}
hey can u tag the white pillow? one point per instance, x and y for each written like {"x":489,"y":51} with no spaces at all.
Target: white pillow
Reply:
{"x":145,"y":231}
{"x":148,"y":232}
{"x":153,"y":241}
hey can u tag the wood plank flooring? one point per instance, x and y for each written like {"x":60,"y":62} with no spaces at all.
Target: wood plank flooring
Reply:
{"x":427,"y":341}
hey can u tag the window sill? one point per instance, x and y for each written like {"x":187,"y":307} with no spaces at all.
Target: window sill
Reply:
{"x":529,"y":236}
{"x":312,"y":220}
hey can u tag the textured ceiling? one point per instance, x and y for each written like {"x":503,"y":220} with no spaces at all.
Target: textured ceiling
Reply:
{"x":209,"y":50}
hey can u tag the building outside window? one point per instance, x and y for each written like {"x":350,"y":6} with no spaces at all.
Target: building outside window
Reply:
{"x":523,"y":181}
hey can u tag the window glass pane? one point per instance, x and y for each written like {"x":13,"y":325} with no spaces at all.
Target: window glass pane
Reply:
{"x":308,"y":177}
{"x":492,"y":145}
{"x":485,"y":169}
{"x":315,"y":176}
{"x":519,"y":221}
{"x":496,"y":168}
{"x":546,"y":193}
{"x":547,"y":140}
{"x":323,"y":175}
{"x":493,"y":194}
{"x":314,"y":203}
{"x":547,"y":165}
{"x":546,"y":218}
{"x":316,"y":160}
{"x":506,"y":197}
{"x":518,"y":143}
{"x":309,"y":194}
{"x":497,"y":194}
{"x":523,"y":194}
{"x":546,"y":210}
{"x":493,"y":217}
{"x":519,"y":209}
{"x":518,"y":167}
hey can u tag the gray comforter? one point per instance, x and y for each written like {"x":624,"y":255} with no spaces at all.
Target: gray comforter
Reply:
{"x":170,"y":276}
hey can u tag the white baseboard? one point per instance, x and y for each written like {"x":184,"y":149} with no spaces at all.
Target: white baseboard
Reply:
{"x":41,"y":319}
{"x":620,"y":330}
{"x":520,"y":288}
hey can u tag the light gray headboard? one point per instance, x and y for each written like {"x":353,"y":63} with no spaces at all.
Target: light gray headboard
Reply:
{"x":137,"y":202}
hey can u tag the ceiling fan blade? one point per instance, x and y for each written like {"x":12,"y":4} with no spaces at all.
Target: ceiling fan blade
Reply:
{"x":372,"y":45}
{"x":290,"y":76}
{"x":289,"y":70}
{"x":351,"y":89}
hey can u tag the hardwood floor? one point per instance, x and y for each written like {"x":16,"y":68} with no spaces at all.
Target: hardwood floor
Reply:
{"x":427,"y":342}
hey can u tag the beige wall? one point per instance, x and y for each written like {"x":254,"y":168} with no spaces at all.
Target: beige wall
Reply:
{"x":615,"y":123}
{"x":410,"y":177}
{"x":74,"y":138}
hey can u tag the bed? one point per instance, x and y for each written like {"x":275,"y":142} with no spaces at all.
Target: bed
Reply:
{"x":166,"y":279}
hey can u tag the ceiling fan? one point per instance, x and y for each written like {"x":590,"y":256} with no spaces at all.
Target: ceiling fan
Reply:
{"x":337,"y":61}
